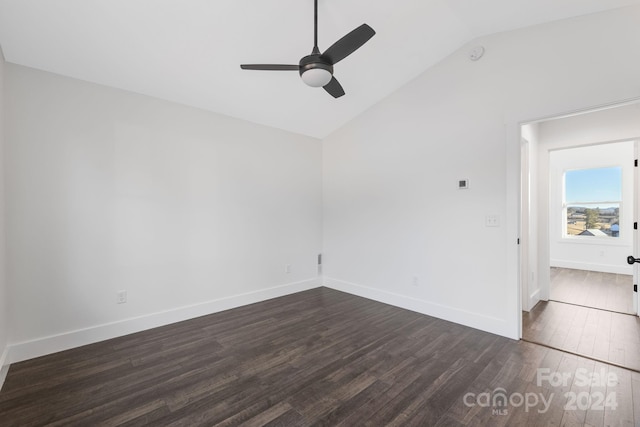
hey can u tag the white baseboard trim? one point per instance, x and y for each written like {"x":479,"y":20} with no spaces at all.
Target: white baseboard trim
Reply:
{"x":534,"y":297}
{"x":485,"y":323}
{"x":602,"y":268}
{"x":52,"y":344}
{"x":4,"y":357}
{"x":4,"y":366}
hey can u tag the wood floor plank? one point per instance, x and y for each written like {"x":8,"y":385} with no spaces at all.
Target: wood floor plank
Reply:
{"x":320,"y":357}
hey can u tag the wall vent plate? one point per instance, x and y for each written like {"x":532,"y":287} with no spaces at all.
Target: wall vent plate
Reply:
{"x":463,"y":184}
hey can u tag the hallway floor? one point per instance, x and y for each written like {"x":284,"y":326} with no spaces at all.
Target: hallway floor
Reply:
{"x":606,"y":291}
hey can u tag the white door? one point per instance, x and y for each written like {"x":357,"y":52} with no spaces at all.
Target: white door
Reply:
{"x":528,"y":228}
{"x":636,"y":238}
{"x":524,"y":224}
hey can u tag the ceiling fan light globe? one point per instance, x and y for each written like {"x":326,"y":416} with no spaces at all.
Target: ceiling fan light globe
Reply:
{"x":316,"y":77}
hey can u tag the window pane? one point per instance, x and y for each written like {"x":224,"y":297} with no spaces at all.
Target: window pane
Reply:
{"x":593,"y":185}
{"x":594,"y":220}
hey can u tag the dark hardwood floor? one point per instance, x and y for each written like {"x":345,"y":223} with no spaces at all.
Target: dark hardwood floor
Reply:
{"x":586,"y":316}
{"x":604,"y":335}
{"x":606,"y":291}
{"x":320,"y":357}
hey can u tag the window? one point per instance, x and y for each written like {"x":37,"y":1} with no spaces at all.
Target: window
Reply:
{"x":592,"y":200}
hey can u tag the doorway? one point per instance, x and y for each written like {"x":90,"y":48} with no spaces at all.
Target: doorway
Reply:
{"x":591,"y":211}
{"x":577,"y":288}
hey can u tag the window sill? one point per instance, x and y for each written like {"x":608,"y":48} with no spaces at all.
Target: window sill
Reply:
{"x":601,"y":241}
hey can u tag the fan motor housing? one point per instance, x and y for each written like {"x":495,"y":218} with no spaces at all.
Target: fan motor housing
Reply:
{"x":315,"y":61}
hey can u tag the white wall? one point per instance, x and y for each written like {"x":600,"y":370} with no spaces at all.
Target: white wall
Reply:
{"x":391,"y":207}
{"x":188,"y":211}
{"x":4,"y":305}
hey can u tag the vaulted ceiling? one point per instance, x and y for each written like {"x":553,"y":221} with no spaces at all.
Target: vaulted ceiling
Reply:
{"x":189,"y":51}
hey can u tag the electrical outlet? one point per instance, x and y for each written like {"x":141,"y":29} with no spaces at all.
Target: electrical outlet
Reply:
{"x":121,"y":297}
{"x":492,"y":221}
{"x":287,"y":268}
{"x":414,"y":281}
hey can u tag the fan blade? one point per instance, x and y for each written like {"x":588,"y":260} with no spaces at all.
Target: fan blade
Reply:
{"x":270,"y":67}
{"x":334,"y":88}
{"x":349,"y":44}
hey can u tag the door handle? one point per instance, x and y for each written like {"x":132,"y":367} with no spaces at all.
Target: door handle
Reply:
{"x":631,"y":259}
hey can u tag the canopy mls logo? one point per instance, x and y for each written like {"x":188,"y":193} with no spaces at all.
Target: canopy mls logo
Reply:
{"x":501,"y":402}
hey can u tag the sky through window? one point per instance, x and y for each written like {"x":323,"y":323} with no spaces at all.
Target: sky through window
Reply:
{"x":593,"y":185}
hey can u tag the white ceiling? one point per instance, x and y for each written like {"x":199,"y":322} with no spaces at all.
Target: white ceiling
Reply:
{"x":189,"y":51}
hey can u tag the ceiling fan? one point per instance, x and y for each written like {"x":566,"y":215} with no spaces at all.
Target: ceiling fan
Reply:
{"x":316,"y":70}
